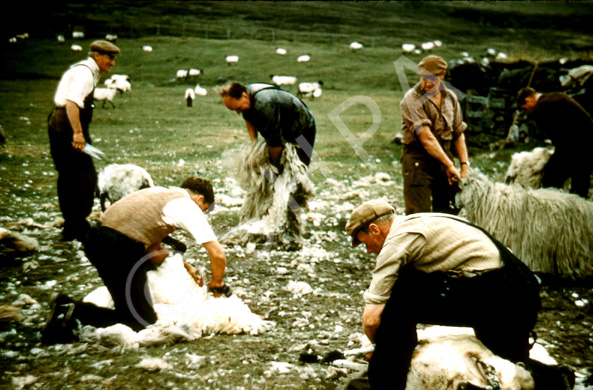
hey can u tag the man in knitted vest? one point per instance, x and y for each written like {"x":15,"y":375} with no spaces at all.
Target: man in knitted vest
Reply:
{"x":436,"y":268}
{"x":126,"y":244}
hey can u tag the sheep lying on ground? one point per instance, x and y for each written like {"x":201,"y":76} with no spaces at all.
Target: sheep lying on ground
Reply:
{"x":551,"y":231}
{"x":105,"y":95}
{"x":283,"y":80}
{"x":184,"y":309}
{"x":118,"y":180}
{"x":310,"y":89}
{"x":270,"y":212}
{"x":526,"y":168}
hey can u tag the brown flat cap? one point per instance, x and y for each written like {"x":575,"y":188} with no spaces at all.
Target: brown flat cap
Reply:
{"x":432,"y":65}
{"x":365,"y":213}
{"x":105,"y":47}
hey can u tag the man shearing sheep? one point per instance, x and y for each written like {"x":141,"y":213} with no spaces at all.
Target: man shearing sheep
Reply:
{"x":126,"y":244}
{"x":436,"y":268}
{"x":69,"y":133}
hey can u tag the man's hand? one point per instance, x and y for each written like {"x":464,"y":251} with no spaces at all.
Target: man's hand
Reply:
{"x":194,"y":273}
{"x":78,"y":141}
{"x":371,"y":318}
{"x":453,"y":175}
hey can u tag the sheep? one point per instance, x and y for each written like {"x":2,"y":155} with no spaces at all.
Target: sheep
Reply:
{"x":550,"y":230}
{"x":182,"y":73}
{"x":283,"y":80}
{"x":408,"y":47}
{"x":190,"y":95}
{"x":356,"y":46}
{"x":200,"y":91}
{"x":304,"y":58}
{"x":60,"y":38}
{"x":77,"y":34}
{"x":438,"y":43}
{"x":105,"y":95}
{"x":281,"y":51}
{"x":119,"y":82}
{"x":76,"y":48}
{"x":427,"y":46}
{"x":194,"y":72}
{"x":147,"y":48}
{"x":118,"y":180}
{"x":310,"y":89}
{"x":184,"y":309}
{"x":111,"y":38}
{"x":526,"y":168}
{"x":230,"y":60}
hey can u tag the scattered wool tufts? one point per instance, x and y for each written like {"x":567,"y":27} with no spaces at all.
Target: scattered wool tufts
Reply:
{"x":270,"y":212}
{"x":153,"y":364}
{"x":10,"y":314}
{"x":549,"y":230}
{"x":299,"y":288}
{"x":526,"y":168}
{"x":16,"y":243}
{"x":184,"y":309}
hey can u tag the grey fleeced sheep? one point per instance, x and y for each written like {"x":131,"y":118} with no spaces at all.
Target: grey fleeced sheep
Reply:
{"x":526,"y":168}
{"x":549,"y":230}
{"x":118,"y":180}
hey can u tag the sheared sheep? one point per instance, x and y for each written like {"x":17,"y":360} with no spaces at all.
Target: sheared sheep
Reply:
{"x":550,"y":230}
{"x":283,"y":80}
{"x":281,"y":51}
{"x":76,"y":48}
{"x":310,"y":89}
{"x":356,"y":46}
{"x":190,"y":95}
{"x":118,"y":180}
{"x":185,"y":312}
{"x":304,"y":58}
{"x":200,"y":91}
{"x":147,"y":48}
{"x":408,"y":47}
{"x":105,"y":95}
{"x":232,"y":60}
{"x":526,"y":168}
{"x":427,"y":46}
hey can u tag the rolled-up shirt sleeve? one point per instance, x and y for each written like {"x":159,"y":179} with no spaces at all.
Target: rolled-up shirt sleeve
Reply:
{"x":184,"y":214}
{"x":397,"y":251}
{"x":414,"y":116}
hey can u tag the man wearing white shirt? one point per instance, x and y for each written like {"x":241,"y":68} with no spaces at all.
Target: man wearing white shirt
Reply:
{"x":127,"y":243}
{"x":69,"y":133}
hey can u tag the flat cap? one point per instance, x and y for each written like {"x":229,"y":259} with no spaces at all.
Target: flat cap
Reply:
{"x":105,"y":47}
{"x":432,"y":65}
{"x":365,"y":213}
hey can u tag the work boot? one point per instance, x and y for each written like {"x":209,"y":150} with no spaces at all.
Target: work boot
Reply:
{"x":60,"y":328}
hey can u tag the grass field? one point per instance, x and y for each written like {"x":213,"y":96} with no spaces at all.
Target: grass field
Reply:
{"x":357,"y":116}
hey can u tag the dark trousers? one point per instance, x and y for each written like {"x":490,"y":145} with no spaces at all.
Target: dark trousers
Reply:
{"x":306,"y":142}
{"x":563,"y":166}
{"x":77,"y":180}
{"x":122,"y":265}
{"x":500,"y":305}
{"x":426,"y":187}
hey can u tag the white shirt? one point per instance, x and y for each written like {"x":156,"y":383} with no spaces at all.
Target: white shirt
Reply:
{"x":77,"y":83}
{"x":184,"y":214}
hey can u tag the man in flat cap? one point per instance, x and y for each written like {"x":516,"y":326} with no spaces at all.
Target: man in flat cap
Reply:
{"x":69,"y":133}
{"x":436,"y":268}
{"x":432,"y":127}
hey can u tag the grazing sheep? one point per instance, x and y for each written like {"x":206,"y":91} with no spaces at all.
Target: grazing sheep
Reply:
{"x":270,"y":213}
{"x":310,"y":89}
{"x":194,"y":72}
{"x":184,"y":309}
{"x":190,"y":95}
{"x":111,"y":38}
{"x":200,"y":91}
{"x":427,"y":46}
{"x":356,"y":46}
{"x":526,"y":168}
{"x":230,"y":60}
{"x":147,"y":48}
{"x":17,"y":244}
{"x":105,"y":95}
{"x":408,"y":47}
{"x":304,"y":58}
{"x":76,"y":48}
{"x":438,"y":43}
{"x":549,"y":230}
{"x":120,"y":82}
{"x":281,"y":51}
{"x":118,"y":180}
{"x":182,"y":73}
{"x":61,"y":38}
{"x":77,"y":34}
{"x":283,"y":80}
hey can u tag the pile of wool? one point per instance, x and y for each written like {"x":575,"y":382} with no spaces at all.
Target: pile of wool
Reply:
{"x":185,"y":312}
{"x":272,"y":208}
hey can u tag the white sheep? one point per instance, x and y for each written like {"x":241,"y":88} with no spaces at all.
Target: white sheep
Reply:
{"x":310,"y":89}
{"x":105,"y":95}
{"x":408,"y":47}
{"x":356,"y":46}
{"x":147,"y":48}
{"x":76,"y":48}
{"x":118,"y":180}
{"x":111,"y":37}
{"x":438,"y":43}
{"x":200,"y":91}
{"x":194,"y":72}
{"x":77,"y":34}
{"x":549,"y":230}
{"x":283,"y":80}
{"x":190,"y":95}
{"x":119,"y":82}
{"x":427,"y":46}
{"x":526,"y":168}
{"x":182,"y":73}
{"x":60,"y":38}
{"x":233,"y":59}
{"x":281,"y":51}
{"x":304,"y":58}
